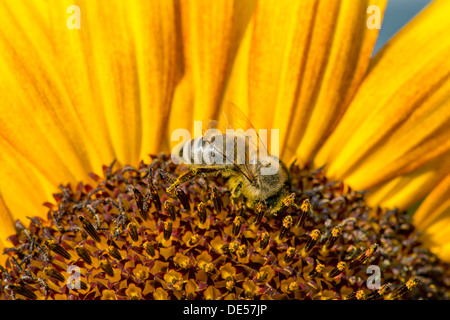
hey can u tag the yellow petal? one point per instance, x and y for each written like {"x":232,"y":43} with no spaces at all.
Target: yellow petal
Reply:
{"x":279,"y":31}
{"x":72,"y":49}
{"x":347,"y":60}
{"x":6,"y":228}
{"x":208,"y":35}
{"x":212,"y":33}
{"x":435,"y":207}
{"x":432,"y":218}
{"x":115,"y":73}
{"x":287,"y":69}
{"x":422,"y":138}
{"x":35,"y":104}
{"x":24,"y":188}
{"x":398,"y":120}
{"x":405,"y":190}
{"x":157,"y":40}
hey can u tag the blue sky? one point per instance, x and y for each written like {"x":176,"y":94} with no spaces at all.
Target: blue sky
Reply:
{"x":398,"y":13}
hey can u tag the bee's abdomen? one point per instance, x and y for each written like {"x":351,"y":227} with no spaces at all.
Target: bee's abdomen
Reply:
{"x":201,"y":152}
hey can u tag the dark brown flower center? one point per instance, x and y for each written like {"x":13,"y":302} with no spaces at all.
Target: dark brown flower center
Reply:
{"x":125,"y":237}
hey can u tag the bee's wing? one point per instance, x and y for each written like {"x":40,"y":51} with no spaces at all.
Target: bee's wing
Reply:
{"x":226,"y":146}
{"x":237,"y":120}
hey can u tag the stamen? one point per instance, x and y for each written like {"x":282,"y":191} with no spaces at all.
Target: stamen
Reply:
{"x":233,"y":246}
{"x":83,"y":254}
{"x":51,"y":272}
{"x":237,"y":223}
{"x":379,"y":293}
{"x":265,"y":237}
{"x":408,"y":286}
{"x":335,"y":234}
{"x":170,"y":208}
{"x":293,"y":286}
{"x":201,"y":212}
{"x":217,"y":200}
{"x":337,"y":270}
{"x":317,"y":270}
{"x":58,"y":249}
{"x":113,"y":252}
{"x":260,"y":211}
{"x":106,"y":266}
{"x":150,"y":248}
{"x":18,"y":289}
{"x":56,"y":220}
{"x":167,"y":230}
{"x":286,"y":225}
{"x":133,"y":231}
{"x":358,"y":295}
{"x":312,"y":240}
{"x":83,"y":285}
{"x":288,"y":201}
{"x":305,"y":212}
{"x":194,"y":240}
{"x":153,"y":191}
{"x":242,"y":251}
{"x":290,"y":253}
{"x":230,"y":284}
{"x":89,"y":228}
{"x":140,"y":204}
{"x":225,"y":248}
{"x":364,"y":257}
{"x":184,"y":199}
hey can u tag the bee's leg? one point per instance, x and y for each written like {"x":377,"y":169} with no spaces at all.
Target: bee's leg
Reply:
{"x":192,"y":173}
{"x":183,"y":178}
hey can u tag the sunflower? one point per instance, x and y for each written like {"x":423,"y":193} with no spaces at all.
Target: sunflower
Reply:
{"x":76,"y":100}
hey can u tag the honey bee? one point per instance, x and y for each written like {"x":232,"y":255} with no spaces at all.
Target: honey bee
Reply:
{"x":241,"y":156}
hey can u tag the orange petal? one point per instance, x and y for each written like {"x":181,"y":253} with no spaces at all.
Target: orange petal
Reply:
{"x":433,"y":220}
{"x":399,"y":118}
{"x":405,"y":190}
{"x":296,"y":65}
{"x":212,"y":32}
{"x":72,"y":49}
{"x":23,"y":189}
{"x":115,"y":74}
{"x":6,"y":228}
{"x":347,"y":58}
{"x":435,"y":207}
{"x":72,"y":99}
{"x":35,"y":104}
{"x":208,"y":35}
{"x":156,"y":32}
